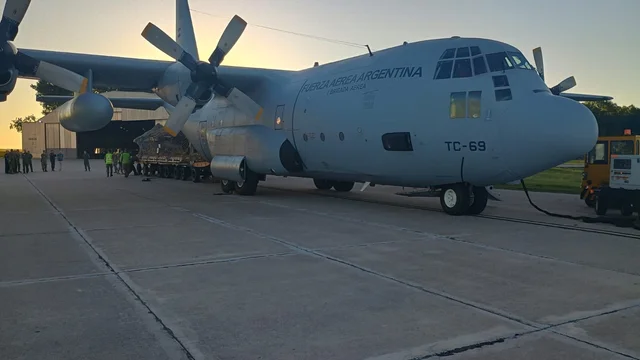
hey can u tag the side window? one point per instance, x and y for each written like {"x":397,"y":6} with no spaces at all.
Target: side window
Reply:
{"x":598,"y":155}
{"x":500,"y":81}
{"x":475,"y":98}
{"x":479,"y":66}
{"x":443,"y":70}
{"x":398,"y":141}
{"x":462,"y":68}
{"x":503,"y":95}
{"x":458,"y":105}
{"x":499,"y":62}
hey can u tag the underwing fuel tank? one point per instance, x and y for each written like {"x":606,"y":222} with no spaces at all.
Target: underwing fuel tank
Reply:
{"x":86,"y":112}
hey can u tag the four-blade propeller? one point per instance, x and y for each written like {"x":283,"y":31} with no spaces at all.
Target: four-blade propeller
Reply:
{"x":10,"y":57}
{"x":563,"y":86}
{"x":204,"y":75}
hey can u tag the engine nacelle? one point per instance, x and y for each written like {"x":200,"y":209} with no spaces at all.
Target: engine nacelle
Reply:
{"x":265,"y":150}
{"x":86,"y":112}
{"x":8,"y":80}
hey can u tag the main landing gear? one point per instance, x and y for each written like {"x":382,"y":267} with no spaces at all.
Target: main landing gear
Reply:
{"x":463,"y":199}
{"x":246,"y":187}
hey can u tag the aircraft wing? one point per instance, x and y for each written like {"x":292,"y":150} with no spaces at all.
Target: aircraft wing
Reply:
{"x":118,"y":102}
{"x":125,"y":74}
{"x":584,"y":97}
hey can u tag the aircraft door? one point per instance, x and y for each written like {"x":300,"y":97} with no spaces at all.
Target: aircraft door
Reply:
{"x":278,"y":121}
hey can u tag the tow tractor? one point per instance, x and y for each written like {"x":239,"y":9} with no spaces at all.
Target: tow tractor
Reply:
{"x":597,"y":163}
{"x":623,"y":188}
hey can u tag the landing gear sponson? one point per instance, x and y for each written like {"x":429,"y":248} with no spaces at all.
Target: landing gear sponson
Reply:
{"x":455,"y":199}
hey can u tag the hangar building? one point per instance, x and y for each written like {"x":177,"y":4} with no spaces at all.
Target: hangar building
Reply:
{"x":126,"y":125}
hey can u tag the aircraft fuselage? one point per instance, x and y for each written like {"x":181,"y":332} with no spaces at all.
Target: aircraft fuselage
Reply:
{"x":421,"y":114}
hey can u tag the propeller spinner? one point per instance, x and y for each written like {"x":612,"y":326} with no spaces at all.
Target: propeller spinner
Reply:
{"x":10,"y":57}
{"x":563,"y":86}
{"x":204,"y":75}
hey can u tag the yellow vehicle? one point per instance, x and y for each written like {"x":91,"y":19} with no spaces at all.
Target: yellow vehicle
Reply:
{"x":598,"y":160}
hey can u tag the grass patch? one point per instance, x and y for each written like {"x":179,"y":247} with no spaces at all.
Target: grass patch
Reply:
{"x":557,"y":180}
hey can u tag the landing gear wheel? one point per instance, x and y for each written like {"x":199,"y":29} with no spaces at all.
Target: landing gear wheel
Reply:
{"x":195,"y":174}
{"x":455,"y":199}
{"x":177,"y":172}
{"x":343,"y":186}
{"x":186,"y":173}
{"x":227,"y":186}
{"x":322,"y":184}
{"x":601,"y":205}
{"x":249,"y":185}
{"x":479,"y":203}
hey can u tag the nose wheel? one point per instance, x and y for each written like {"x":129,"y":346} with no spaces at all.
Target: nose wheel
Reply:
{"x":461,"y":199}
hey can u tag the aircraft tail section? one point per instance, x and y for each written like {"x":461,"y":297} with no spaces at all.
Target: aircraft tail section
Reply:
{"x":185,"y":35}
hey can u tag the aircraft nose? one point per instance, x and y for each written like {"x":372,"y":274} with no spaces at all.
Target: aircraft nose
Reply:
{"x":576,"y":128}
{"x":555,"y":131}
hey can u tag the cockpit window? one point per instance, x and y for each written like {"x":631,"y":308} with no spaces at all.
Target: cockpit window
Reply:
{"x":475,"y":51}
{"x":462,"y":52}
{"x":443,"y":70}
{"x":499,"y":61}
{"x":462,"y":68}
{"x":520,"y":61}
{"x":479,"y":66}
{"x":448,"y":54}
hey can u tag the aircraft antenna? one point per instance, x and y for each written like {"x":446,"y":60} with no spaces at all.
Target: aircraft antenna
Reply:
{"x":335,"y":41}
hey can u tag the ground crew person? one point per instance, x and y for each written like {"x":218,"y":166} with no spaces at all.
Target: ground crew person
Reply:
{"x":43,"y":160}
{"x":16,"y":161}
{"x":87,"y":165}
{"x":52,"y":160}
{"x":125,"y":157}
{"x":108,"y":160}
{"x":117,"y":162}
{"x":30,"y":160}
{"x":60,"y":157}
{"x":25,"y":162}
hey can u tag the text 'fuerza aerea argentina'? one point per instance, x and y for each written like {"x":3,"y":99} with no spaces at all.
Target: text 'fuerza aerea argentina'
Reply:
{"x":341,"y":84}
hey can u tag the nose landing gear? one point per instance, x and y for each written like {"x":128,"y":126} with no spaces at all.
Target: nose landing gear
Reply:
{"x":463,"y":199}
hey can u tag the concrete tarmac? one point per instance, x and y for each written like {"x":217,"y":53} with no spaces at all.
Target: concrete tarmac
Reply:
{"x":116,"y":268}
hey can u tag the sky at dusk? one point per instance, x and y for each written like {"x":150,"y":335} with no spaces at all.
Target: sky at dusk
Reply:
{"x":595,"y":41}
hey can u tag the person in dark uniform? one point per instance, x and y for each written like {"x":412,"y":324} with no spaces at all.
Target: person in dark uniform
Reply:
{"x":43,"y":160}
{"x":6,"y":162}
{"x":87,"y":165}
{"x":52,"y":160}
{"x":30,"y":160}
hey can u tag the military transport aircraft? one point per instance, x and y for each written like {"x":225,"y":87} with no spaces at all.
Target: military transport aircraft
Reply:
{"x":455,"y":114}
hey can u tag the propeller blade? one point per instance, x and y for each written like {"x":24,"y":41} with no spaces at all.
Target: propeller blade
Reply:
{"x":50,"y":73}
{"x":229,"y":37}
{"x":180,"y":114}
{"x":167,"y":45}
{"x":537,"y":58}
{"x":564,"y":85}
{"x":245,"y":104}
{"x":14,"y":11}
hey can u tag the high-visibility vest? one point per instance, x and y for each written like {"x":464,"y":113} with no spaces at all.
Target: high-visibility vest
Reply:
{"x":108,"y":158}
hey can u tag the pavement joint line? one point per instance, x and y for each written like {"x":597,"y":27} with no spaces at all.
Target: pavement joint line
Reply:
{"x":11,"y":283}
{"x":594,"y":344}
{"x":449,"y":238}
{"x":207,"y":262}
{"x":35,"y":233}
{"x":190,"y":352}
{"x":418,"y":287}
